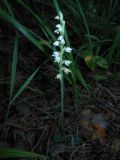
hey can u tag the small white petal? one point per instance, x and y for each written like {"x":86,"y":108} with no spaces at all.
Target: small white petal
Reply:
{"x":57,"y":17}
{"x":58,"y":26}
{"x":60,"y":38}
{"x":56,"y":31}
{"x":57,"y":59}
{"x":68,"y":49}
{"x":67,"y":62}
{"x":62,"y":41}
{"x":60,"y":30}
{"x":58,"y":77}
{"x":66,"y":70}
{"x":55,"y":54}
{"x":56,"y":43}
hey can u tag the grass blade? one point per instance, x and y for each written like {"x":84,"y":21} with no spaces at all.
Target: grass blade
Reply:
{"x":85,"y":22}
{"x":21,"y":28}
{"x":15,"y":153}
{"x":112,"y":52}
{"x":14,"y":64}
{"x":56,"y":6}
{"x":43,"y":25}
{"x":24,"y":85}
{"x":8,"y":7}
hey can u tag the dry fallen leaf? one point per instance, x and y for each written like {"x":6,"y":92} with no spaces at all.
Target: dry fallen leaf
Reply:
{"x":100,"y":132}
{"x":95,"y":124}
{"x":88,"y":58}
{"x":116,"y":145}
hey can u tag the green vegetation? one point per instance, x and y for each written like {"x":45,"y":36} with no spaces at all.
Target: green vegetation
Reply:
{"x":92,"y":30}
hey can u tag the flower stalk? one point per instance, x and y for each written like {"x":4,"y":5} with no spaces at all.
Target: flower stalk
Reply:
{"x":60,"y":58}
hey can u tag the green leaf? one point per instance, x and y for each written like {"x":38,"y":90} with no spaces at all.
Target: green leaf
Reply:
{"x":85,"y":53}
{"x":100,"y":77}
{"x":15,"y":153}
{"x":101,"y":62}
{"x":81,"y":79}
{"x":116,"y":75}
{"x":97,"y":61}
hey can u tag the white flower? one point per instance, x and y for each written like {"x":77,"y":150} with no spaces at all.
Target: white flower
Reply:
{"x":67,"y":62}
{"x":68,"y":49}
{"x":58,"y":76}
{"x":57,"y":17}
{"x":61,"y":39}
{"x":60,"y":30}
{"x":55,"y":54}
{"x":66,"y":70}
{"x":58,"y":26}
{"x":56,"y":43}
{"x":57,"y":31}
{"x":57,"y":59}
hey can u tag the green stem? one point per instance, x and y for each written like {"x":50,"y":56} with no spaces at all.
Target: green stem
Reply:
{"x":62,"y":91}
{"x":62,"y":103}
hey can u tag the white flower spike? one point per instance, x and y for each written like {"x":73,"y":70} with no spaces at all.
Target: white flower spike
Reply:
{"x":60,"y":48}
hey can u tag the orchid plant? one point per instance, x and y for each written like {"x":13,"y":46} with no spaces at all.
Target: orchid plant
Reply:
{"x":60,"y":57}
